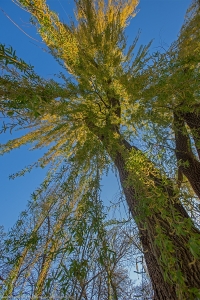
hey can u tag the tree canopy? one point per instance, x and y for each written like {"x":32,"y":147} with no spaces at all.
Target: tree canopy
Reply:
{"x":136,"y":112}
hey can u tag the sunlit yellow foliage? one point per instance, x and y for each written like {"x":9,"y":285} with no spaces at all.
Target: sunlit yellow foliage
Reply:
{"x":112,"y":13}
{"x":98,"y":22}
{"x":54,"y":33}
{"x":189,"y":39}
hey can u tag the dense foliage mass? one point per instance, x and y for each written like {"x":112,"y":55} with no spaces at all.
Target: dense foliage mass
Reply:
{"x":138,"y":113}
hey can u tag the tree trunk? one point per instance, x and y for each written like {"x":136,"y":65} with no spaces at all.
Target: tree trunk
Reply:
{"x":189,"y":165}
{"x":165,"y":261}
{"x":167,"y":234}
{"x":193,"y":121}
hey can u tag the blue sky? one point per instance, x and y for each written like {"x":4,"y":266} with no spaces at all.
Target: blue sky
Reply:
{"x":159,"y":20}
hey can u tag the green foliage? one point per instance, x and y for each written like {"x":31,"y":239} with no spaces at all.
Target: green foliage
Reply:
{"x":114,"y":96}
{"x":8,"y":57}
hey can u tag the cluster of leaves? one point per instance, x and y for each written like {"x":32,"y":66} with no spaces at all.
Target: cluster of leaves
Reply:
{"x":23,"y":93}
{"x":8,"y":57}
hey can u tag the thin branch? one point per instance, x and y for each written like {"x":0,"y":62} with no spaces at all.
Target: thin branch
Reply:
{"x":19,"y":27}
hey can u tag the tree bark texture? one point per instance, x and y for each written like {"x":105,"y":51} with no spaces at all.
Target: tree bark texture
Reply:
{"x":172,"y":267}
{"x":188,"y":163}
{"x":189,"y":267}
{"x":193,"y":121}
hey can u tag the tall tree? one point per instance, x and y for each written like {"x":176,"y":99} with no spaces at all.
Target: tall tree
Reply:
{"x":112,"y":98}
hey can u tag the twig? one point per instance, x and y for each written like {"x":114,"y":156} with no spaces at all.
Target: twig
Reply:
{"x":18,"y":26}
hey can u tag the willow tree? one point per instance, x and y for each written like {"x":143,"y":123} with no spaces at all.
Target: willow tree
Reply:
{"x":112,"y":98}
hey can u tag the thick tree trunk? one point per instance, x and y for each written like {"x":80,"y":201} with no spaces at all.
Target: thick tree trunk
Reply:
{"x":164,"y":284}
{"x":189,"y":165}
{"x":193,"y":121}
{"x":166,"y":231}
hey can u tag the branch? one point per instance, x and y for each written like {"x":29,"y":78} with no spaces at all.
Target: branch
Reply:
{"x":18,"y":26}
{"x":193,"y":121}
{"x":188,"y":164}
{"x":95,"y":129}
{"x":183,"y":147}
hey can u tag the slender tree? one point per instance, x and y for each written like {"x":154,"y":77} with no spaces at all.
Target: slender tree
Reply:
{"x":112,"y":98}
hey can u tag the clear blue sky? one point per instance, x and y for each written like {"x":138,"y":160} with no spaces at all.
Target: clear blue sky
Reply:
{"x":157,"y":19}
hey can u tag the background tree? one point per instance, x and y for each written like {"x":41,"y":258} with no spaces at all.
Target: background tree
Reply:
{"x":111,"y":99}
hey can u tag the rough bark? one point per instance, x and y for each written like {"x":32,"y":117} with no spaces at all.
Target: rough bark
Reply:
{"x":188,"y":163}
{"x":165,"y":285}
{"x":193,"y":121}
{"x":185,"y":261}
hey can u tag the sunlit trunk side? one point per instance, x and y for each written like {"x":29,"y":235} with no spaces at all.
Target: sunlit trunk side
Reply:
{"x":181,"y":258}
